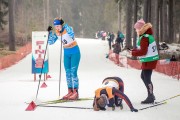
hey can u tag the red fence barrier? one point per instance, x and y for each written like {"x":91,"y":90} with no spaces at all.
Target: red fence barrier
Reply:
{"x":171,"y":68}
{"x":134,"y":63}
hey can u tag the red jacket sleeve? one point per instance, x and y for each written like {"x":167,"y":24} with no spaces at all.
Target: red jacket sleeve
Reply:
{"x":143,"y":48}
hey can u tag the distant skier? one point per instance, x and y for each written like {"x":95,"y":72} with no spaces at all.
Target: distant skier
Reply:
{"x":111,"y":92}
{"x":116,"y":51}
{"x":109,"y":40}
{"x":71,"y":55}
{"x":120,"y":38}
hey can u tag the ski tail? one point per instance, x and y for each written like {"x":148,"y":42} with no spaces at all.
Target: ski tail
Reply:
{"x":154,"y":105}
{"x":60,"y":101}
{"x":167,"y":99}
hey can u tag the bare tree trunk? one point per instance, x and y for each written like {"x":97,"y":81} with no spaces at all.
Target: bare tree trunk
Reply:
{"x":119,"y":15}
{"x":145,"y":11}
{"x":157,"y":23}
{"x":160,"y":20}
{"x":61,"y":4}
{"x":26,"y":21}
{"x":134,"y":32}
{"x":154,"y":18}
{"x":128,"y":23}
{"x":44,"y":14}
{"x":171,"y":18}
{"x":47,"y":12}
{"x":33,"y":10}
{"x":149,"y":11}
{"x":179,"y":34}
{"x":11,"y":27}
{"x":164,"y":19}
{"x":135,"y":19}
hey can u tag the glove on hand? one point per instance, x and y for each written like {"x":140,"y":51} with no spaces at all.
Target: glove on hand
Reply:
{"x":49,"y":28}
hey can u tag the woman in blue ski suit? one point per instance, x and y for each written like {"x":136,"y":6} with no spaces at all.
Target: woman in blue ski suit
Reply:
{"x":71,"y":55}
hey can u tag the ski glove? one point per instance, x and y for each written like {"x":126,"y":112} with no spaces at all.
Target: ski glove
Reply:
{"x":134,"y":110}
{"x":52,"y":38}
{"x":49,"y":28}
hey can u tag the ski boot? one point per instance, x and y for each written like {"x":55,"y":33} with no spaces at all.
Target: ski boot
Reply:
{"x":74,"y":95}
{"x":134,"y":110}
{"x":66,"y":97}
{"x":150,"y":99}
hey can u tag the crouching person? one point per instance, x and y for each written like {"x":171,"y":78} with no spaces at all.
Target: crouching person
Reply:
{"x":111,"y":94}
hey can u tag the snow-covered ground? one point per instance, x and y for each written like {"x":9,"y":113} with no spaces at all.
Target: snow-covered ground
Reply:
{"x":17,"y":87}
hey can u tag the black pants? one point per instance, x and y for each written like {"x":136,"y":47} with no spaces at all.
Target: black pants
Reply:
{"x":146,"y":77}
{"x":109,"y":44}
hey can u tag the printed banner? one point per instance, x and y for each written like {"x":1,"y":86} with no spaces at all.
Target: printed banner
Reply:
{"x":39,"y":41}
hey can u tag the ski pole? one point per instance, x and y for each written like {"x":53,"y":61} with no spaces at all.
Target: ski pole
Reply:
{"x":60,"y":67}
{"x":53,"y":106}
{"x":42,"y":67}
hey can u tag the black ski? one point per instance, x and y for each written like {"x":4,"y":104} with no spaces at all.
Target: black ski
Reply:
{"x":167,"y":99}
{"x":154,"y":105}
{"x":158,"y":103}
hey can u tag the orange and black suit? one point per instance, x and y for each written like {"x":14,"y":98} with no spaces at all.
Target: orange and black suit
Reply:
{"x":113,"y":88}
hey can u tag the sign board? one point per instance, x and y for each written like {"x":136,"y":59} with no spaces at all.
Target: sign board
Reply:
{"x":39,"y":41}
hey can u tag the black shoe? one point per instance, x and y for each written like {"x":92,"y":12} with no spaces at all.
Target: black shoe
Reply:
{"x":150,"y":99}
{"x":134,"y":110}
{"x":121,"y":106}
{"x":118,"y":102}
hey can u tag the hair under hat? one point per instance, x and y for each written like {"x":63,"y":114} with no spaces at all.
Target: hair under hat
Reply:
{"x":139,"y":24}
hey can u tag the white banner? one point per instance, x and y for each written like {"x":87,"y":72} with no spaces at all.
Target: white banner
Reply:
{"x":39,"y":41}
